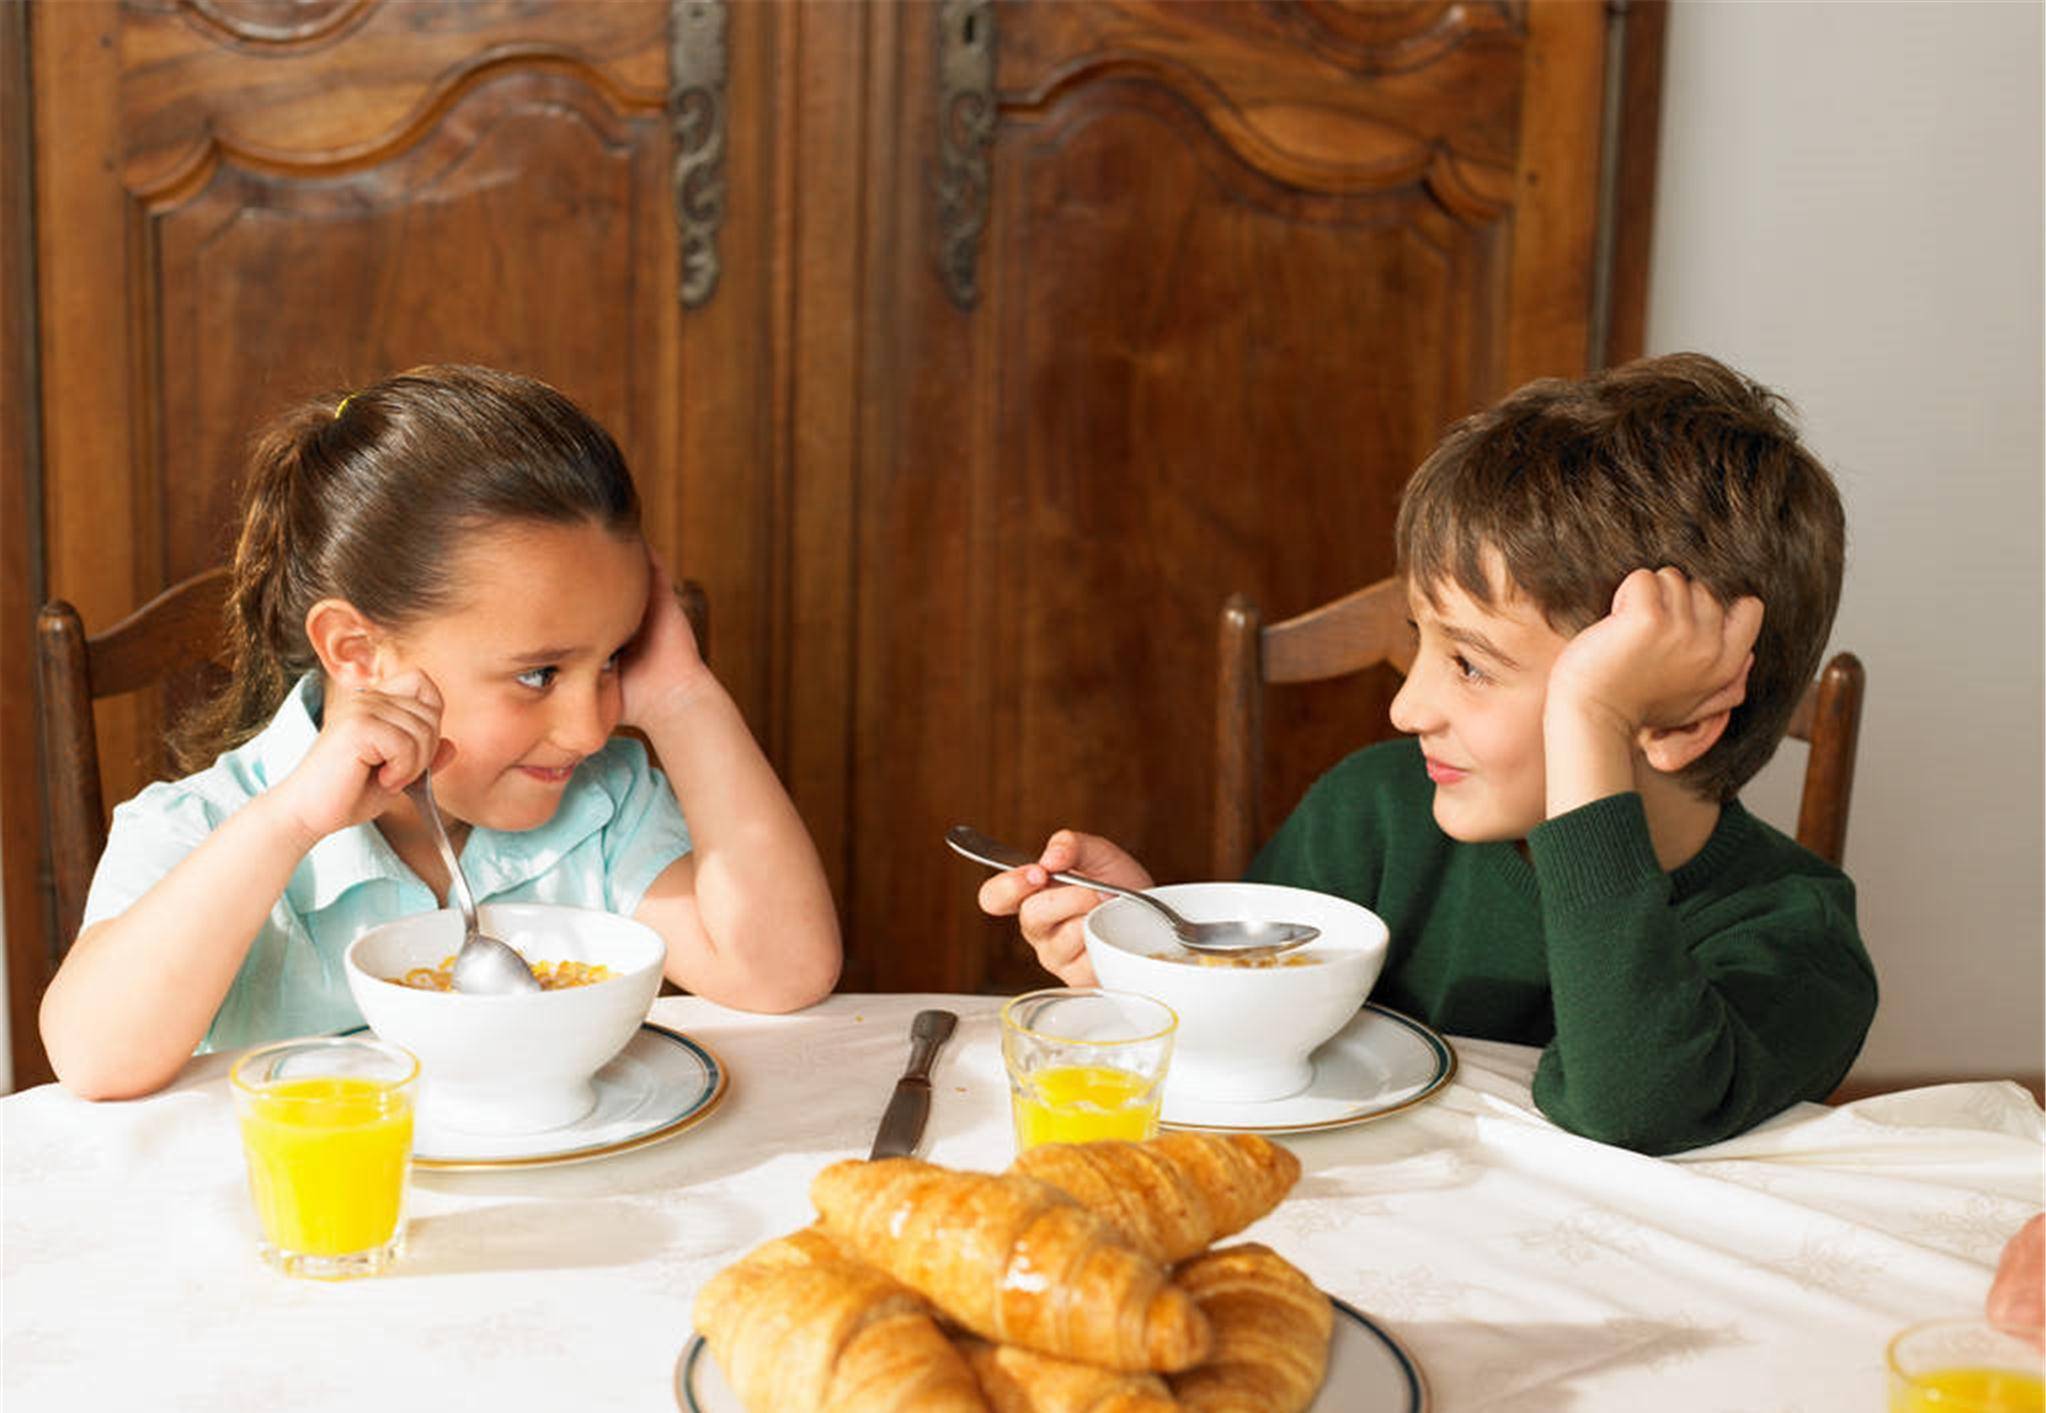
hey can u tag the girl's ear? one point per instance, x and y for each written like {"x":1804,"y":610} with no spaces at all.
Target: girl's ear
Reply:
{"x":346,"y":642}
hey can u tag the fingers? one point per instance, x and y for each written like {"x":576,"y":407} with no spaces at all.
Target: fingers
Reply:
{"x":409,"y":688}
{"x":401,"y":747}
{"x":1052,"y":916}
{"x":1042,"y":909}
{"x":1044,"y":914}
{"x":1744,"y":624}
{"x":397,"y":726}
{"x":1683,"y":609}
{"x":1070,"y":851}
{"x":1003,"y":894}
{"x":1063,"y":953}
{"x":1727,"y":697}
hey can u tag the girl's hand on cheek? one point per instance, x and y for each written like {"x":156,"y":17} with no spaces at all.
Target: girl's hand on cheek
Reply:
{"x":662,"y":661}
{"x":373,"y":742}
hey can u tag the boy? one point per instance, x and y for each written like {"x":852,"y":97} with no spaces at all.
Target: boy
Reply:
{"x":1620,"y":587}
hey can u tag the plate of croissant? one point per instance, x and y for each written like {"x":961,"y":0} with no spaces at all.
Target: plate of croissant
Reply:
{"x":1085,"y":1279}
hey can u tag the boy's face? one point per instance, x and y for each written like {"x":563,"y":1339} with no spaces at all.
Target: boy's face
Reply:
{"x":526,"y":664}
{"x":1474,"y":698}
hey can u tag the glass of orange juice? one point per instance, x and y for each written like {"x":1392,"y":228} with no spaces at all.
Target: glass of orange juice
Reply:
{"x":1965,"y":1366}
{"x":327,"y":1131}
{"x":1085,"y":1063}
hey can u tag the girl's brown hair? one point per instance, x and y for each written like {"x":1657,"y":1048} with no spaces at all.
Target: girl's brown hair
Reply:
{"x":364,"y":497}
{"x":1673,"y":461}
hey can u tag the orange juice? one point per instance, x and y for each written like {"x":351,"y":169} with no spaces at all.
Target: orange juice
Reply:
{"x":1081,"y":1103}
{"x":1969,"y":1390}
{"x":327,"y":1161}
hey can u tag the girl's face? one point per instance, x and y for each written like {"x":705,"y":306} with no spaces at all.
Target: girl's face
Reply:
{"x":527,"y":663}
{"x":1474,"y":698}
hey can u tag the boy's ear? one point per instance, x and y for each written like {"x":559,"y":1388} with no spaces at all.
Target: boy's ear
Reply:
{"x":1670,"y":749}
{"x":347,"y":643}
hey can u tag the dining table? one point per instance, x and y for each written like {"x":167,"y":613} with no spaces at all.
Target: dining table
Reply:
{"x":1507,"y":1263}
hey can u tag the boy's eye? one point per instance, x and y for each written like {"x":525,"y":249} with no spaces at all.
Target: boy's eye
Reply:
{"x":1466,"y":669}
{"x":538,"y":678}
{"x":611,"y":662}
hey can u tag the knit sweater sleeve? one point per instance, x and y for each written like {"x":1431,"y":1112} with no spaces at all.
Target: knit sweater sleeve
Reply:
{"x":1679,"y":1027}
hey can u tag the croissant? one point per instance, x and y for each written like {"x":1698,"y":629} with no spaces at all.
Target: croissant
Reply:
{"x":1272,"y":1331}
{"x":1173,"y":1195}
{"x":800,"y":1327}
{"x":1012,"y":1259}
{"x":1024,"y":1381}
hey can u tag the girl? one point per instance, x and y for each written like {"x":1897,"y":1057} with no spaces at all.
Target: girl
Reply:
{"x":442,"y":571}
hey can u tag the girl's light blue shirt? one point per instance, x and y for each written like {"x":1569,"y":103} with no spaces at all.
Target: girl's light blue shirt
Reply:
{"x":617,"y":828}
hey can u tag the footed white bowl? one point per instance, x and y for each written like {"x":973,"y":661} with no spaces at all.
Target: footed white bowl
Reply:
{"x":509,"y":1064}
{"x":1245,"y":1032}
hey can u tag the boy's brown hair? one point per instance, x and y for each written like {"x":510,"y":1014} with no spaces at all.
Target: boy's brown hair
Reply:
{"x":1674,"y":461}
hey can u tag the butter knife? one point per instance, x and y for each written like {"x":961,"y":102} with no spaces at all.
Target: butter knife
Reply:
{"x":903,"y":1124}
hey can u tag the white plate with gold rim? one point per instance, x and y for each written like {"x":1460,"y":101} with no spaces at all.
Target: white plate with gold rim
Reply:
{"x":1367,"y":1368}
{"x":661,"y":1083}
{"x":1378,"y":1064}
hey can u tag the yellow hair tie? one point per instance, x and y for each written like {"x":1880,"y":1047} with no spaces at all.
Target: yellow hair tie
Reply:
{"x":342,"y":406}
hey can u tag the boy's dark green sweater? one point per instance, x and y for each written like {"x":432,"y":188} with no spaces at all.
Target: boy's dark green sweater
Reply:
{"x":1675,"y":1009}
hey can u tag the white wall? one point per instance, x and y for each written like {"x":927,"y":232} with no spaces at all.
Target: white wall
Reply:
{"x":1848,"y":208}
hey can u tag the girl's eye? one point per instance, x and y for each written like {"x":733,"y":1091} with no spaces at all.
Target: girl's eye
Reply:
{"x":538,"y":678}
{"x":611,"y":662}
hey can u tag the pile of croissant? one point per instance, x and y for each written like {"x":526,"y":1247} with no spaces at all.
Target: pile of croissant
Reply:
{"x":1082,"y":1280}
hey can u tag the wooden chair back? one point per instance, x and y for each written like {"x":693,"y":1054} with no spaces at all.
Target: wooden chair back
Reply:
{"x":171,"y":633}
{"x":1368,"y":627}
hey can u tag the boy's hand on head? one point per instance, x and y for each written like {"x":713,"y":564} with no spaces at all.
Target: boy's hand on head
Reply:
{"x":373,"y":742}
{"x":1052,"y":915}
{"x":1668,"y":655}
{"x":663,"y":656}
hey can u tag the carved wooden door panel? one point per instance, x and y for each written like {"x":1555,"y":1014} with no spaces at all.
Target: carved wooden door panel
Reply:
{"x":292,"y":197}
{"x":240,"y":201}
{"x":1198,"y":286}
{"x":970,"y":353}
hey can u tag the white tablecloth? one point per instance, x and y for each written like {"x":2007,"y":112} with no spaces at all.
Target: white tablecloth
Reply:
{"x":1523,"y":1268}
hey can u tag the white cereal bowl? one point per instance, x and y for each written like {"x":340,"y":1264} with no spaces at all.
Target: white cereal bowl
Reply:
{"x":1245,"y":1032}
{"x":519,"y":1063}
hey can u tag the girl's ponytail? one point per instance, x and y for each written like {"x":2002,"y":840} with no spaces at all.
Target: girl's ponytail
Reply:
{"x":266,"y":648}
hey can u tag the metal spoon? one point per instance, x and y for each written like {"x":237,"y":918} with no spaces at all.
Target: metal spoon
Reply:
{"x":1233,"y":938}
{"x":484,"y":965}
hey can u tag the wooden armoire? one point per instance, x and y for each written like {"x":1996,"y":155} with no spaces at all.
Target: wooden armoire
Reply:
{"x":969,"y":353}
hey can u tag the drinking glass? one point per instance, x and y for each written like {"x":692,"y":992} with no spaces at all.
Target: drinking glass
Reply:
{"x":1964,"y":1366}
{"x":1085,"y":1063}
{"x":327,"y":1130}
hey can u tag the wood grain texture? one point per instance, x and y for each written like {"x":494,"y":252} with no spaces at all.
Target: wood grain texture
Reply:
{"x":1242,"y":265}
{"x":1828,"y":719}
{"x":1240,"y":270}
{"x":1640,"y":135}
{"x":228,"y":223}
{"x":21,"y":562}
{"x":178,"y":634}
